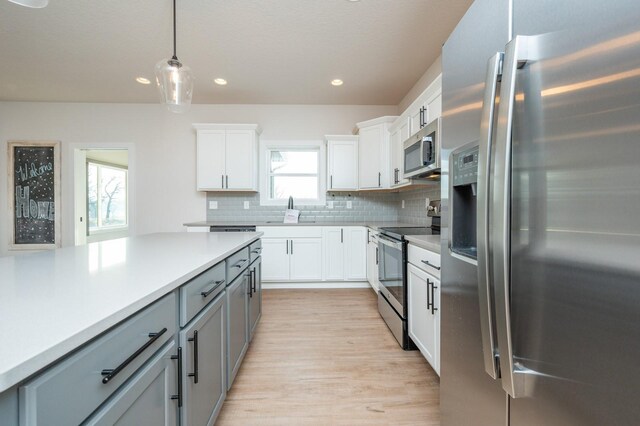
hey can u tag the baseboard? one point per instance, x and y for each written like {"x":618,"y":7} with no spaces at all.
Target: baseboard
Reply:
{"x":315,"y":285}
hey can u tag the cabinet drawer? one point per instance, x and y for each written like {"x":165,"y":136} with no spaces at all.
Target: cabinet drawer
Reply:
{"x":255,"y":250}
{"x":201,"y":290}
{"x":425,"y":260}
{"x":68,"y":392}
{"x":236,"y":263}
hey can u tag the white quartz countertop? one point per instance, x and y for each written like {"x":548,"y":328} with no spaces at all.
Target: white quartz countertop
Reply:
{"x":53,"y":302}
{"x":427,"y":242}
{"x":372,"y":224}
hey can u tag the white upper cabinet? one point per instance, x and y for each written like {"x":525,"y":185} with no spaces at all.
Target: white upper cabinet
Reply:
{"x":342,"y":162}
{"x":399,"y":134}
{"x":227,"y":157}
{"x":427,"y":107}
{"x":374,"y":153}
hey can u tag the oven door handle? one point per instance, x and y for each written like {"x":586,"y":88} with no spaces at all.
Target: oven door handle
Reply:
{"x":389,"y":242}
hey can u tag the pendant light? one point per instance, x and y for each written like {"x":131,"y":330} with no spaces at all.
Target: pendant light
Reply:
{"x":175,"y":80}
{"x":36,"y":4}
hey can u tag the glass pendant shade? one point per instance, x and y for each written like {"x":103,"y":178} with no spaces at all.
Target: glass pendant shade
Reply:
{"x":36,"y":4}
{"x":175,"y":82}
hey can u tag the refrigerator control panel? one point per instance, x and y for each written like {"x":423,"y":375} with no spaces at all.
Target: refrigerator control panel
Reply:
{"x":465,"y":167}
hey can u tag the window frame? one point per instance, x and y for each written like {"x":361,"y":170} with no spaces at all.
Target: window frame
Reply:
{"x":266,"y":147}
{"x":113,"y":228}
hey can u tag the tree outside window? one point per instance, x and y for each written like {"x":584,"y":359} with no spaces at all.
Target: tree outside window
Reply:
{"x":106,"y":197}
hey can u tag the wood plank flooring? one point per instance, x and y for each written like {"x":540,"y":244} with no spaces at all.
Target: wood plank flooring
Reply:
{"x":325,"y":357}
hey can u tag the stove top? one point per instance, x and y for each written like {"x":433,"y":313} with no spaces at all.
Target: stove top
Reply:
{"x":399,"y":233}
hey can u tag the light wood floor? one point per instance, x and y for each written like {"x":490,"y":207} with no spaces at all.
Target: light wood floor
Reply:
{"x":325,"y":357}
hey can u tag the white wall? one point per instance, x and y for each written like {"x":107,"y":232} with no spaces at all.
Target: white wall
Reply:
{"x":164,"y":160}
{"x":425,"y":81}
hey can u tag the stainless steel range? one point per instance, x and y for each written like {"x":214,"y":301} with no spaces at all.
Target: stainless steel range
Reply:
{"x":392,"y":269}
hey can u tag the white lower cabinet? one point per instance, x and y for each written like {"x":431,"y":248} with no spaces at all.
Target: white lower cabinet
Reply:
{"x":424,"y":313}
{"x":146,"y":399}
{"x":306,"y":259}
{"x":345,"y":250}
{"x":204,"y":364}
{"x":275,"y":259}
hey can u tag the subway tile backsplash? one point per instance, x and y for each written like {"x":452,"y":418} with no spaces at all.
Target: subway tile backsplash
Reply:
{"x":367,"y":206}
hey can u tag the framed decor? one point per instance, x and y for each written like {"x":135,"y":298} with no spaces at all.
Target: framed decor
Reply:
{"x":34,"y":194}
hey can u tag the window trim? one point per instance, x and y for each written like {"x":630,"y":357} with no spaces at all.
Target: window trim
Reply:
{"x":265,"y":170}
{"x":106,"y":229}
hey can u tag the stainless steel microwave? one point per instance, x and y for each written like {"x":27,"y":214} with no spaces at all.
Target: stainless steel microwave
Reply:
{"x":422,"y":152}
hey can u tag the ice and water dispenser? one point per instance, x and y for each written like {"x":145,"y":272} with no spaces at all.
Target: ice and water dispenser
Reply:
{"x":463,"y":164}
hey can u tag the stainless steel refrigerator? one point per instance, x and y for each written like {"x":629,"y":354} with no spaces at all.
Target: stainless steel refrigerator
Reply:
{"x":541,"y":214}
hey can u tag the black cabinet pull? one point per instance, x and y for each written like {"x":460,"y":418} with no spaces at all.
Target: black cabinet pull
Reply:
{"x":331,"y":182}
{"x":377,"y":256}
{"x":379,"y":179}
{"x":194,"y":339}
{"x":222,"y":184}
{"x":257,"y":251}
{"x":433,"y":298}
{"x":215,"y":285}
{"x":111,"y":373}
{"x":430,"y":264}
{"x":253,"y":280}
{"x":240,"y":263}
{"x":291,"y":246}
{"x":227,"y":181}
{"x":342,"y":235}
{"x":287,"y":246}
{"x":428,"y":294}
{"x":179,"y":395}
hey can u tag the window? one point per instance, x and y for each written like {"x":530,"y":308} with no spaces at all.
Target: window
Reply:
{"x":293,"y":172}
{"x":106,"y":197}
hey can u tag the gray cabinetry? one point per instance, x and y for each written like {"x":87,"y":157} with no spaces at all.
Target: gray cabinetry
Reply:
{"x":255,"y":295}
{"x":148,"y":399}
{"x":89,"y":377}
{"x":204,"y":361}
{"x":237,"y":324}
{"x":201,"y":290}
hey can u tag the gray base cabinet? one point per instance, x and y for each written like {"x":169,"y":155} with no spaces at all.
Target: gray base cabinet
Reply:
{"x":237,"y":324}
{"x":204,"y":360}
{"x":255,"y":296}
{"x":146,"y":400}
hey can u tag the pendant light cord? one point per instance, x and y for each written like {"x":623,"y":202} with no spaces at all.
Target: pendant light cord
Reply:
{"x":174,"y":31}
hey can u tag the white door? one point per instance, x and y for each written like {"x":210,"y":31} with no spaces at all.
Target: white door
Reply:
{"x":210,"y":159}
{"x":370,"y":163}
{"x":355,"y":242}
{"x":275,"y":259}
{"x":343,"y":165}
{"x":422,"y":322}
{"x":333,"y":253}
{"x":240,"y":163}
{"x":306,"y":259}
{"x":434,"y":108}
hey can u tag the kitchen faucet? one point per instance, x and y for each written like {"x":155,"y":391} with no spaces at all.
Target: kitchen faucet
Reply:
{"x":290,"y":205}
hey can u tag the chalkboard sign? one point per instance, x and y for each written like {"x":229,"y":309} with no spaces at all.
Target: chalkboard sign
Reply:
{"x":34,"y":182}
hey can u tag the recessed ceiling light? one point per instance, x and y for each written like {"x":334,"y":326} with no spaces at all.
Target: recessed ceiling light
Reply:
{"x":220,"y":81}
{"x":36,"y":4}
{"x":337,"y":82}
{"x":143,"y":80}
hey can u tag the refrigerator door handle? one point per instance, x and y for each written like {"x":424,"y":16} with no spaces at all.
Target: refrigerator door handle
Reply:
{"x":489,"y":349}
{"x":517,"y":52}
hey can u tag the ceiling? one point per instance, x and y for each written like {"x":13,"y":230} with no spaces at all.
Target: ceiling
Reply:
{"x":270,"y":51}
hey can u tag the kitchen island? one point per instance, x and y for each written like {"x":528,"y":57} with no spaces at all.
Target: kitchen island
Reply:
{"x":53,"y":303}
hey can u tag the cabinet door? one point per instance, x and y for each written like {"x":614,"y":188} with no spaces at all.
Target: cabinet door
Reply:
{"x":204,"y":364}
{"x":342,"y":165}
{"x":355,"y":262}
{"x":416,"y":119}
{"x":255,"y":298}
{"x":210,"y":159}
{"x":241,"y":166}
{"x":404,"y":135}
{"x":237,"y":325}
{"x":306,"y":259}
{"x":275,"y":256}
{"x":333,"y":239}
{"x":371,"y":261}
{"x":422,"y":322}
{"x":434,"y":108}
{"x":370,"y":161}
{"x":145,"y":400}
